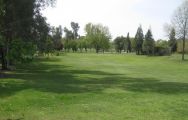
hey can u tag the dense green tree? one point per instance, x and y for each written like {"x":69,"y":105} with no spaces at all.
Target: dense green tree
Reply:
{"x":67,"y":40}
{"x":17,"y":21}
{"x":98,"y":35}
{"x":162,"y":48}
{"x":86,"y":45}
{"x":139,"y":39}
{"x":74,"y":45}
{"x":83,"y":44}
{"x":80,"y":45}
{"x":57,"y":38}
{"x":129,"y":46}
{"x":49,"y":46}
{"x":119,"y":43}
{"x":149,"y":43}
{"x":67,"y":45}
{"x":172,"y":40}
{"x":41,"y":33}
{"x":133,"y":48}
{"x":104,"y":38}
{"x":162,"y":43}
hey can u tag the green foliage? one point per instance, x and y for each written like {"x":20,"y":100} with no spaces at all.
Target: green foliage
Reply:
{"x":22,"y":19}
{"x":119,"y":43}
{"x":149,"y":43}
{"x":162,"y":48}
{"x":21,"y":51}
{"x":105,"y":43}
{"x":74,"y":45}
{"x":162,"y":43}
{"x":162,"y":51}
{"x":133,"y":44}
{"x":67,"y":45}
{"x":42,"y":33}
{"x":83,"y":44}
{"x":57,"y":38}
{"x":80,"y":44}
{"x":139,"y":39}
{"x":129,"y":45}
{"x":49,"y":46}
{"x":99,"y":36}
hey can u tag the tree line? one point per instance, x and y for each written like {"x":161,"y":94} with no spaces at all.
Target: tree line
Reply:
{"x":99,"y":38}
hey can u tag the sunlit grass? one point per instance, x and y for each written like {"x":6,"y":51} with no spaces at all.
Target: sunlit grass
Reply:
{"x":97,"y":87}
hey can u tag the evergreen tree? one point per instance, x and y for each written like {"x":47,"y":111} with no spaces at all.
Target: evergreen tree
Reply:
{"x":149,"y":43}
{"x":139,"y":38}
{"x":119,"y":43}
{"x":129,"y":48}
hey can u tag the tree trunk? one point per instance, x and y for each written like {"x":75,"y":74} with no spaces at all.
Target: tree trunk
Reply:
{"x":97,"y":51}
{"x":183,"y":52}
{"x":3,"y":60}
{"x":184,"y":34}
{"x":86,"y":50}
{"x":7,"y":54}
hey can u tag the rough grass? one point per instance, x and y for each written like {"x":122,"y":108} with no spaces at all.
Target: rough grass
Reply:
{"x":96,"y":87}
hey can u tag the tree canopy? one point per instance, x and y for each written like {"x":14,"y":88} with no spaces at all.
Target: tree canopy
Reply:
{"x":99,"y":36}
{"x":149,"y":43}
{"x":21,"y":20}
{"x":139,"y":39}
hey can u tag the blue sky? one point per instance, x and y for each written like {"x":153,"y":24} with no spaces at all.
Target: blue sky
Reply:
{"x":121,"y":16}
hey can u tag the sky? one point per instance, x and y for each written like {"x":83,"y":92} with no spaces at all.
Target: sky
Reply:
{"x":121,"y":16}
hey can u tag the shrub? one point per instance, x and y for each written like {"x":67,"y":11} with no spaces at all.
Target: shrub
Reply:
{"x":21,"y":51}
{"x":162,"y":51}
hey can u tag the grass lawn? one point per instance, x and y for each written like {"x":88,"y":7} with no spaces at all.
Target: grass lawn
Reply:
{"x":97,"y":87}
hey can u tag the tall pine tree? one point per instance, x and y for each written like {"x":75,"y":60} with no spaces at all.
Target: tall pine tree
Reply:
{"x":149,"y":43}
{"x":129,"y":48}
{"x":139,"y":38}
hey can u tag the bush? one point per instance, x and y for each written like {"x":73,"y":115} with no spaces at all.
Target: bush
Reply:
{"x":21,"y":51}
{"x":162,"y":51}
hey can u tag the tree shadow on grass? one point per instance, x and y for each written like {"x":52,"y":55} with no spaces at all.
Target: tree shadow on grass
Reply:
{"x":63,"y":79}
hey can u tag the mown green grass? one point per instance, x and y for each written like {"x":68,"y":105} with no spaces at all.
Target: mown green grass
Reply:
{"x":96,"y":87}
